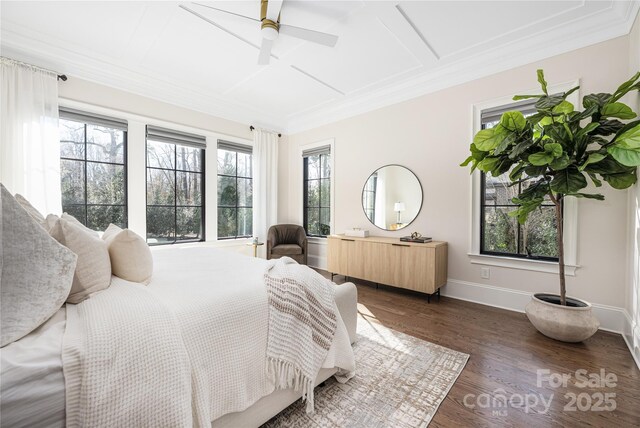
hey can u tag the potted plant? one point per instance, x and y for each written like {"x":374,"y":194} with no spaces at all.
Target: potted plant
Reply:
{"x":555,"y":151}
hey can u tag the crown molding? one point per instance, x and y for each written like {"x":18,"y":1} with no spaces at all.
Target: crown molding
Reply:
{"x":35,"y":50}
{"x":602,"y":27}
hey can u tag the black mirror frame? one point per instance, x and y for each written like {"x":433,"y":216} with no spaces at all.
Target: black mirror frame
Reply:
{"x":421,"y":196}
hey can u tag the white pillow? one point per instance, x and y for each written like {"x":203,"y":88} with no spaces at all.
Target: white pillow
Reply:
{"x":75,"y":221}
{"x":50,"y":221}
{"x":130,"y":255}
{"x":93,"y":271}
{"x":37,"y":272}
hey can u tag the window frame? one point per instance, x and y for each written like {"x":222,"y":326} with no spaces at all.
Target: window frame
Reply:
{"x":85,"y":161}
{"x":175,"y":205}
{"x":526,"y":108}
{"x":570,"y":205}
{"x":305,"y":192}
{"x":373,"y":195}
{"x":298,"y":188}
{"x":248,"y":149}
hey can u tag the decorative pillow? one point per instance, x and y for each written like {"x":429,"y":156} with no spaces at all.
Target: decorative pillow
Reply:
{"x":130,"y":255}
{"x":34,"y":213}
{"x":50,"y":221}
{"x":37,"y":272}
{"x":93,"y":271}
{"x":75,"y":221}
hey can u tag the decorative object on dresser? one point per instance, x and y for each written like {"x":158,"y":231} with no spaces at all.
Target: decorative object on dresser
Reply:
{"x":414,"y":266}
{"x":553,"y":154}
{"x":356,"y":231}
{"x":416,"y":237}
{"x":389,"y":194}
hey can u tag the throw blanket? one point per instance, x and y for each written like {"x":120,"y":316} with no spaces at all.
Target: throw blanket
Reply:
{"x":123,"y":369}
{"x":302,"y":324}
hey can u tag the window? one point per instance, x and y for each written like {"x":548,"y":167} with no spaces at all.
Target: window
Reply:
{"x":175,"y":186}
{"x":501,"y":234}
{"x":235,"y":191}
{"x":369,"y":196}
{"x":317,"y":191}
{"x":93,"y":158}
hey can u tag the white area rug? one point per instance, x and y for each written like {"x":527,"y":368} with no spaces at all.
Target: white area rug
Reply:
{"x":400,"y":382}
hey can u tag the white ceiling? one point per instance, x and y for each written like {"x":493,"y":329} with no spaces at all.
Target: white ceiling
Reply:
{"x":387,"y":51}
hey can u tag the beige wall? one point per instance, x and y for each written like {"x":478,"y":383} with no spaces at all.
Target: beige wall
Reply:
{"x":431,"y":135}
{"x":633,"y":291}
{"x":107,"y":97}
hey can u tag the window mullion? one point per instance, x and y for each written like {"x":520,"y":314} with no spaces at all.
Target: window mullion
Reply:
{"x":86,"y":192}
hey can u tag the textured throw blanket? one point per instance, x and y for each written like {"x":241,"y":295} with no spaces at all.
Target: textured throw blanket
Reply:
{"x":302,"y":325}
{"x":122,"y":369}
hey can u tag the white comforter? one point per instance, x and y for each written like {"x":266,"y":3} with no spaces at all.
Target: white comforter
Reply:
{"x":223,"y":326}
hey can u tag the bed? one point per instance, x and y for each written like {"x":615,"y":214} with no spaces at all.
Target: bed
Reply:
{"x":190,"y":278}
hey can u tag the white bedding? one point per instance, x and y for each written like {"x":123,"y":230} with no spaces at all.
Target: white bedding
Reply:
{"x":220,"y":281}
{"x":228,"y":299}
{"x":32,"y":386}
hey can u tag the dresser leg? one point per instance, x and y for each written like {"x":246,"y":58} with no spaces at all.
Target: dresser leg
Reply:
{"x":428,"y":298}
{"x":438,"y":294}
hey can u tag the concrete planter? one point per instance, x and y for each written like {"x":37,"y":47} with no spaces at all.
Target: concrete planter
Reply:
{"x":572,"y":323}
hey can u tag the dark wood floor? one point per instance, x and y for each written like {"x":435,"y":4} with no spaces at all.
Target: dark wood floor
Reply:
{"x":506,"y":353}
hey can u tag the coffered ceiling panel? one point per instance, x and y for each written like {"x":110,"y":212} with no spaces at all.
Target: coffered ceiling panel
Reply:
{"x":480,"y":22}
{"x":188,"y":48}
{"x":194,"y":56}
{"x":95,"y":28}
{"x":365,"y":45}
{"x":282,"y":89}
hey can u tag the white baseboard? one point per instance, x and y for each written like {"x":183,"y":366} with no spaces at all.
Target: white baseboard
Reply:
{"x":611,"y":318}
{"x":317,"y":262}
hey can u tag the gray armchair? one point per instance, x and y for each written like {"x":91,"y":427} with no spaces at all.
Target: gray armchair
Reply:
{"x":287,"y":240}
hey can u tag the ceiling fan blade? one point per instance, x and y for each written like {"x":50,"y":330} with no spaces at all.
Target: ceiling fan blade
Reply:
{"x":273,"y":9}
{"x":309,"y":35}
{"x":228,"y":12}
{"x":265,"y":52}
{"x":204,"y":18}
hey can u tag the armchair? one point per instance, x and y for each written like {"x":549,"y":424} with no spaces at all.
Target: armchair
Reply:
{"x":287,"y":240}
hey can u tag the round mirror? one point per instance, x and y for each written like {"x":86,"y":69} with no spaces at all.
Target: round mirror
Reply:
{"x":392,"y":197}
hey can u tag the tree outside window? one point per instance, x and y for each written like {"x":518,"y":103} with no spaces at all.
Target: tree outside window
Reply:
{"x":175,"y":193}
{"x":93,"y":173}
{"x":235,"y":192}
{"x":317,"y":194}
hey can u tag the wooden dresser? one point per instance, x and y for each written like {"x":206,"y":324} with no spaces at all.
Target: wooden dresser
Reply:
{"x":419,"y":267}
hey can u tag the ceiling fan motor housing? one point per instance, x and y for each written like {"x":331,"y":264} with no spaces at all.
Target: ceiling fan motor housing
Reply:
{"x":269,"y":28}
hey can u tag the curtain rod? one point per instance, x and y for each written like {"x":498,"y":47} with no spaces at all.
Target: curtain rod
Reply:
{"x":252,"y":128}
{"x":62,"y":77}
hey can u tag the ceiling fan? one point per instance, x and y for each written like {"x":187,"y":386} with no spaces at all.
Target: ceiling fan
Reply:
{"x":270,"y":28}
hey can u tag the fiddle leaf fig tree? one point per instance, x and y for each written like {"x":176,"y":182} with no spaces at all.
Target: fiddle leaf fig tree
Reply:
{"x":560,"y":148}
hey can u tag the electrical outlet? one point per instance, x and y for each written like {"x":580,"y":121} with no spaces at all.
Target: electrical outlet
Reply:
{"x":485,"y":273}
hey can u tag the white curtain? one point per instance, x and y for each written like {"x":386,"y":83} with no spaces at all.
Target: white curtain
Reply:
{"x":29,"y":144}
{"x":265,"y":182}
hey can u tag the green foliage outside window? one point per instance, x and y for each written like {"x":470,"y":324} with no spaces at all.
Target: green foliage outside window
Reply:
{"x":93,"y":175}
{"x":235,"y":194}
